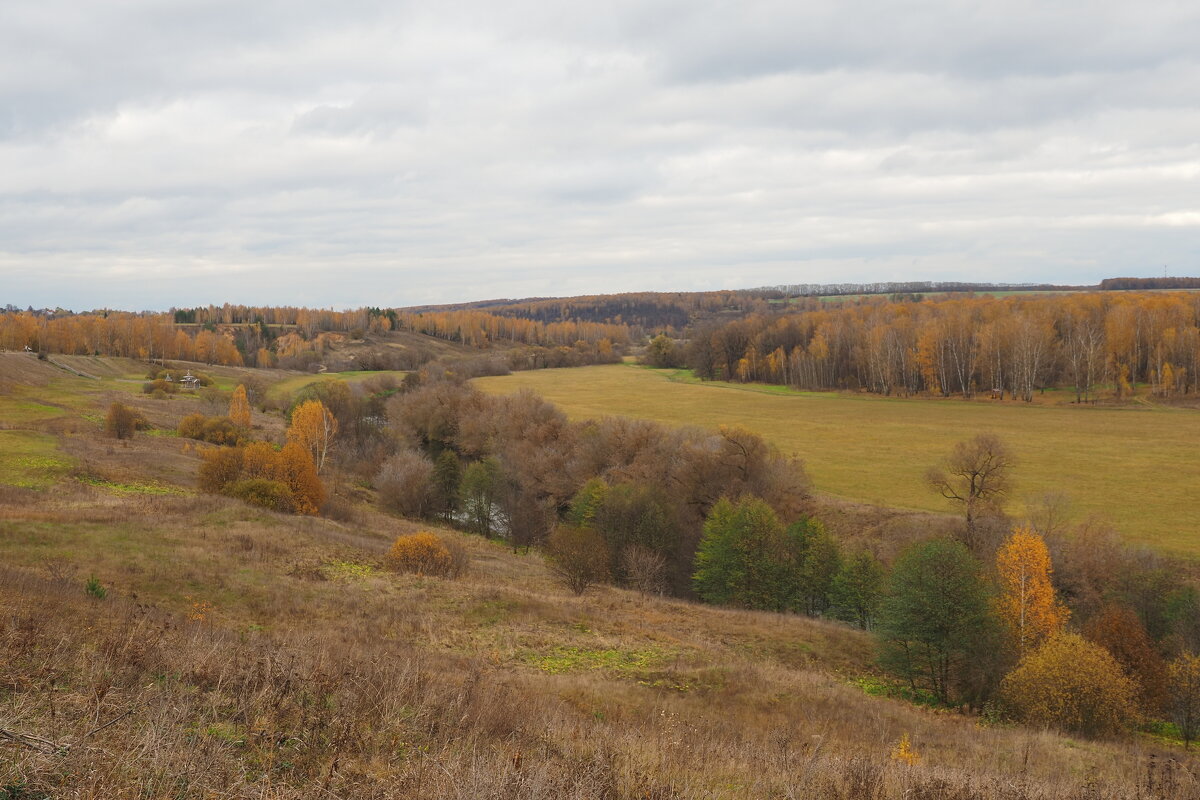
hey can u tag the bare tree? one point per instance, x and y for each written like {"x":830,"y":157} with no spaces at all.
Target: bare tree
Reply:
{"x":578,"y":557}
{"x":977,"y":474}
{"x":645,"y":569}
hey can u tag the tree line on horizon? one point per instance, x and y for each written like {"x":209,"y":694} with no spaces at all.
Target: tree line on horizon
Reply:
{"x":964,"y":346}
{"x":299,"y":338}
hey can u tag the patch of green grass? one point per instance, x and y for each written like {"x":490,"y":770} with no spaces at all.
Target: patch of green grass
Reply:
{"x":878,"y":687}
{"x":624,"y":663}
{"x":348,"y":571}
{"x":20,"y":411}
{"x":133,"y":487}
{"x":1133,"y":465}
{"x":31,"y":460}
{"x":491,"y":612}
{"x":282,"y":390}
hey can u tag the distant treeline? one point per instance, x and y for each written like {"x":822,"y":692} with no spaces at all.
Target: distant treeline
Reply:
{"x":1149,"y":283}
{"x":289,"y":337}
{"x":905,"y":287}
{"x":642,"y":312}
{"x":964,"y":345}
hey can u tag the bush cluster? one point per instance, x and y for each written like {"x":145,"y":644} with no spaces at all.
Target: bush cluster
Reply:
{"x":281,"y":480}
{"x":214,"y":430}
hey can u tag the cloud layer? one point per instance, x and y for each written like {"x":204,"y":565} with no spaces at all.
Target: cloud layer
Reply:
{"x":388,"y":153}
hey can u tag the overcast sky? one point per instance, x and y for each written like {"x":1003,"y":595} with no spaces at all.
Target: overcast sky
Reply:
{"x":157,"y":153}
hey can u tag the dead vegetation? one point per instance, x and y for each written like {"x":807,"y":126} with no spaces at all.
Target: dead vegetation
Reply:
{"x":241,"y":653}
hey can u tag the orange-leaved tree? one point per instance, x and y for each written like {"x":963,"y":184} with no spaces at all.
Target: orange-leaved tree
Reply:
{"x":297,"y":471}
{"x":1119,"y":631}
{"x":1027,"y":603}
{"x":313,"y":428}
{"x":239,"y":407}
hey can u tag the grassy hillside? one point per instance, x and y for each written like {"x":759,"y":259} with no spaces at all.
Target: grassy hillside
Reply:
{"x":226,"y":651}
{"x":1136,"y":465}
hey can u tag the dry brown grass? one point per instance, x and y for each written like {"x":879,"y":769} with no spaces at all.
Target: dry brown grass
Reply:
{"x":244,"y":653}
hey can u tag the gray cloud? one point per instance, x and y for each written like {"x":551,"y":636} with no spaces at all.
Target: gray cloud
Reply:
{"x":314,"y":153}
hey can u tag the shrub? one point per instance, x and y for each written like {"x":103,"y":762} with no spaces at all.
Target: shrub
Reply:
{"x":263,"y":492}
{"x":214,"y":430}
{"x":459,"y":558}
{"x":405,"y":483}
{"x":160,"y":387}
{"x":422,"y":553}
{"x":253,"y":474}
{"x":95,"y":589}
{"x":297,"y":471}
{"x":219,"y":468}
{"x":122,"y":421}
{"x":1073,"y":684}
{"x":1184,"y":693}
{"x":578,"y":557}
{"x":645,"y":569}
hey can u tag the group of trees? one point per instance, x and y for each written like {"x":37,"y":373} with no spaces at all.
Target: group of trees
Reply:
{"x":965,"y":345}
{"x":298,"y":338}
{"x":282,"y":479}
{"x":977,"y":619}
{"x":748,"y":558}
{"x":966,"y":633}
{"x":639,"y":311}
{"x":145,"y":336}
{"x":902,"y":287}
{"x":515,"y":467}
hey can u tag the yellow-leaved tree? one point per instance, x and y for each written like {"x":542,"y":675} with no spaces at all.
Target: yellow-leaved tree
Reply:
{"x":313,"y":428}
{"x":1027,"y":603}
{"x":1072,"y":684}
{"x":239,"y":407}
{"x":295,"y":470}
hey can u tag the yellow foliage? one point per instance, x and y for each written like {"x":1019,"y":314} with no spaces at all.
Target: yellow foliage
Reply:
{"x":313,"y":427}
{"x":1027,"y":603}
{"x":297,"y":471}
{"x":239,"y":407}
{"x":904,"y":752}
{"x":1072,"y":684}
{"x":422,"y":553}
{"x":260,"y":460}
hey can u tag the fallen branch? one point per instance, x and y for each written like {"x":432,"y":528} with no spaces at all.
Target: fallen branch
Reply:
{"x":53,"y":748}
{"x":32,"y":742}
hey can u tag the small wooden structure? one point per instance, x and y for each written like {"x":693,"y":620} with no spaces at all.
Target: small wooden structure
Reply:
{"x":190,"y":381}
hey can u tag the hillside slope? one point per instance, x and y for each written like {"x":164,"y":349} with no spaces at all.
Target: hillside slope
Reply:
{"x":225,"y":651}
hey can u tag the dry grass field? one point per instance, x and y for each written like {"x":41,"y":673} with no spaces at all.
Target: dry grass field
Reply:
{"x":229,"y":652}
{"x":1135,"y":465}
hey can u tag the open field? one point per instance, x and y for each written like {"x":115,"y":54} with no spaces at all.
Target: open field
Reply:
{"x":1137,"y":466}
{"x":281,"y":389}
